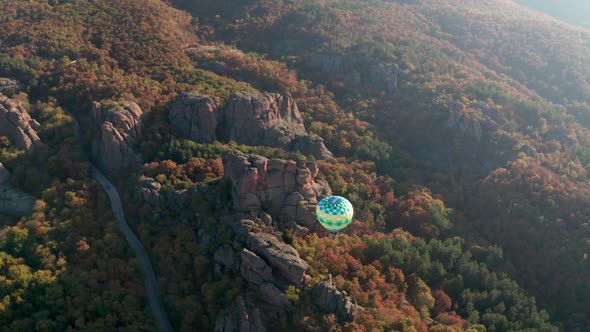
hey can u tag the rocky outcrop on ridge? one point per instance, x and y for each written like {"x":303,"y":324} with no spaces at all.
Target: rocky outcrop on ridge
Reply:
{"x":263,"y":119}
{"x":13,"y":202}
{"x":268,"y":195}
{"x":286,"y":189}
{"x":268,"y":119}
{"x":17,"y":125}
{"x":361,"y":70}
{"x":195,"y":117}
{"x":329,"y":299}
{"x":477,"y":128}
{"x":119,"y":127}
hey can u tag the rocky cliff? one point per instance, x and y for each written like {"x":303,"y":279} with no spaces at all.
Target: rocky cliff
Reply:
{"x":329,"y":299}
{"x":356,"y":71}
{"x":476,"y":128}
{"x":118,"y":127}
{"x":286,"y":189}
{"x":254,"y":119}
{"x":195,"y":117}
{"x":17,"y":125}
{"x":13,"y":202}
{"x":263,"y":119}
{"x":268,"y":196}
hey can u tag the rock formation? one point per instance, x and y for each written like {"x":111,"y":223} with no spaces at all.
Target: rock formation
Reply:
{"x":281,"y":256}
{"x":476,"y":129}
{"x":263,"y":119}
{"x":13,"y":202}
{"x":8,"y":86}
{"x":149,"y":189}
{"x":253,"y":119}
{"x":268,"y":194}
{"x":240,"y":316}
{"x":328,"y":299}
{"x":119,"y":128}
{"x":285,"y":189}
{"x":17,"y":125}
{"x":195,"y":117}
{"x":358,"y":70}
{"x":253,"y":268}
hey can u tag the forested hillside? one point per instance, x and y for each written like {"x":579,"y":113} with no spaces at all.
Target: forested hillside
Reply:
{"x":459,"y":130}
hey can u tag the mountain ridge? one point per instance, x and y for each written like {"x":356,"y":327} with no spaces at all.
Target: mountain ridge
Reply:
{"x":458,"y":130}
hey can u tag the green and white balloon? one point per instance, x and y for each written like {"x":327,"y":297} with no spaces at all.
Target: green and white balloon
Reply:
{"x":334,"y":213}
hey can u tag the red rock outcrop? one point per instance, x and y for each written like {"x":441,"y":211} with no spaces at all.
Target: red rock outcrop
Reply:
{"x":263,"y":119}
{"x":17,"y":125}
{"x":285,"y":189}
{"x":268,"y":119}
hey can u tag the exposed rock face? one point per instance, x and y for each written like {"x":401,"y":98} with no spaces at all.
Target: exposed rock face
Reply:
{"x":330,"y":63}
{"x":476,"y":128}
{"x":273,"y":296}
{"x":13,"y":202}
{"x":254,"y":119}
{"x":241,"y":316}
{"x":17,"y":125}
{"x":312,"y":145}
{"x":119,"y":128}
{"x":8,"y":85}
{"x":358,"y":70}
{"x":329,"y":299}
{"x":279,"y":255}
{"x":150,"y":191}
{"x":466,"y":124}
{"x":277,"y":122}
{"x":254,"y":269}
{"x":195,"y":117}
{"x":285,"y":189}
{"x":263,"y":119}
{"x":385,"y":75}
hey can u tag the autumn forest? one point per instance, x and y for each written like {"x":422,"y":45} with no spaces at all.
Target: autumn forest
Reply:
{"x":459,"y":130}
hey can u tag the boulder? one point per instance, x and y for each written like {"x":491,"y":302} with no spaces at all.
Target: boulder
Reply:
{"x":149,"y":190}
{"x":279,"y":256}
{"x":119,"y":128}
{"x":17,"y":125}
{"x":328,"y":299}
{"x":195,"y":116}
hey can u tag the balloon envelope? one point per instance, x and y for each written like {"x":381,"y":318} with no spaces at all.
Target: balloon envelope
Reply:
{"x":334,"y":213}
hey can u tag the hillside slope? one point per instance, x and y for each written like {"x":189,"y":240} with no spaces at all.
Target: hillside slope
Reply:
{"x":492,"y":95}
{"x":458,"y":130}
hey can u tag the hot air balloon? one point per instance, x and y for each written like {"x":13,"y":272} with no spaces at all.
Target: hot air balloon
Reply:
{"x":334,"y":213}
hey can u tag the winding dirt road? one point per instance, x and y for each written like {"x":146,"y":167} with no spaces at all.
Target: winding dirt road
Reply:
{"x":150,"y":277}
